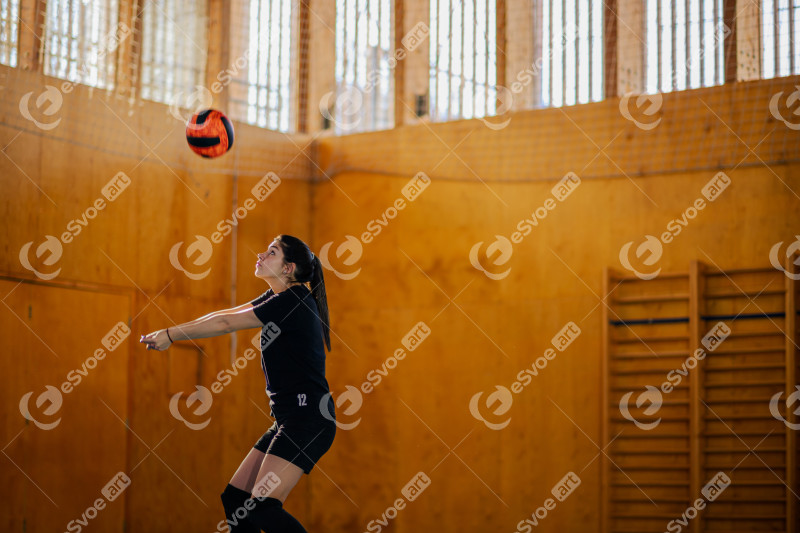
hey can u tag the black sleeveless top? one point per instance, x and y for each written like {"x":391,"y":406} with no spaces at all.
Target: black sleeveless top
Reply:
{"x":292,"y":351}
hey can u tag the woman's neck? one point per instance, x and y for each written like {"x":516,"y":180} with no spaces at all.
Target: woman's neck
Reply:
{"x":279,"y":286}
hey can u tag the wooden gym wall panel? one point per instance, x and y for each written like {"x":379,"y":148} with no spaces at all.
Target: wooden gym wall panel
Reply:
{"x":421,"y":259}
{"x":717,"y":419}
{"x":173,"y":197}
{"x":702,"y":129}
{"x":57,"y":467}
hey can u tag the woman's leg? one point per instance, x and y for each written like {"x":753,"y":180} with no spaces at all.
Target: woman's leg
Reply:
{"x":276,"y":479}
{"x":247,"y":473}
{"x":236,"y":494}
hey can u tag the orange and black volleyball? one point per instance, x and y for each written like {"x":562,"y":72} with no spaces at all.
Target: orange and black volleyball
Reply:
{"x":209,"y":133}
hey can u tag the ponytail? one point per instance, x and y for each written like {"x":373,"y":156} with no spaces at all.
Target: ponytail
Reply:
{"x":308,"y":270}
{"x":318,"y":291}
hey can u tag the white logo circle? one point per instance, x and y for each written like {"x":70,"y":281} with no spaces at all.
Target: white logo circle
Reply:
{"x":497,"y":253}
{"x":653,"y":396}
{"x":52,"y":396}
{"x":497,"y":402}
{"x":352,"y":396}
{"x":52,"y":247}
{"x":347,"y":254}
{"x":200,"y":245}
{"x":646,"y":107}
{"x":48,"y":104}
{"x":202,"y":396}
{"x":649,"y":253}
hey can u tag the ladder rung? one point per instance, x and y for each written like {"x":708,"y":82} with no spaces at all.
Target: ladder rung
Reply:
{"x":747,"y":351}
{"x":640,"y":436}
{"x":651,"y":339}
{"x":617,"y":452}
{"x":743,"y":467}
{"x":726,"y":368}
{"x":663,"y":402}
{"x":740,"y":384}
{"x":647,"y":299}
{"x":745,"y":294}
{"x":644,"y":516}
{"x":684,"y":468}
{"x":643,"y":500}
{"x":650,"y":355}
{"x":737,"y":400}
{"x":728,"y":272}
{"x":656,"y":484}
{"x":635,"y":371}
{"x":727,"y":433}
{"x":740,"y":450}
{"x":731,"y":515}
{"x":755,"y":334}
{"x":663,"y":275}
{"x":741,"y":417}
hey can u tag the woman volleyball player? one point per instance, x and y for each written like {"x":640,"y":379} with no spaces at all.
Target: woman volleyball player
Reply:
{"x":294,"y":322}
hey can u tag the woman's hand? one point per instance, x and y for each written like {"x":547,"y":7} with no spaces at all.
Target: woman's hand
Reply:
{"x":158,"y":340}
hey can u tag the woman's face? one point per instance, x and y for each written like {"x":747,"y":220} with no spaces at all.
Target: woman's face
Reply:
{"x":270,"y":263}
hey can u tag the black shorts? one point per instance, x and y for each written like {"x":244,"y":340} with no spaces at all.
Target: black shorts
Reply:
{"x":300,"y":440}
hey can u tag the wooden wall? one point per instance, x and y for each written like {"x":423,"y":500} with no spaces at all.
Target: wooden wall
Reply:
{"x":177,"y":474}
{"x":485,"y":331}
{"x":482,"y":331}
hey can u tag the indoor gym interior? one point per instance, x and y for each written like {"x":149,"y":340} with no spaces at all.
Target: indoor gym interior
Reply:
{"x":560,"y":241}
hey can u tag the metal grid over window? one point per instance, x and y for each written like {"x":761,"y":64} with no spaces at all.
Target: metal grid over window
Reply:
{"x":364,"y":66}
{"x":780,"y":38}
{"x":9,"y":31}
{"x":260,"y":92}
{"x":572,"y":52}
{"x":463,"y":55}
{"x":79,"y":40}
{"x":684,"y":44}
{"x":174,"y":48}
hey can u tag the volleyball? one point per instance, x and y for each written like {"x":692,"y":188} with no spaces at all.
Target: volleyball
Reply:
{"x":209,"y":133}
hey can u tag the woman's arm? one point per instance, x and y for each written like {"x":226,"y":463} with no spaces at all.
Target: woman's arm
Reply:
{"x":211,"y":325}
{"x":232,"y":310}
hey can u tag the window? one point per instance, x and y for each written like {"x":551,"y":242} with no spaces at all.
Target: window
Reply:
{"x":174,"y":44}
{"x":9,"y":32}
{"x":685,"y":41}
{"x":80,"y":39}
{"x":364,"y":66}
{"x":572,"y":52}
{"x":260,"y":92}
{"x":463,"y":55}
{"x":780,"y":38}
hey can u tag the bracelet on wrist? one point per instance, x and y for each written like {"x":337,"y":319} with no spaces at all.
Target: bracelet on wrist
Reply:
{"x":170,"y":338}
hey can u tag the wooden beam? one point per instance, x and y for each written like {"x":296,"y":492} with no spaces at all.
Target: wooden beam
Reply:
{"x":625,"y":47}
{"x":219,"y":48}
{"x":412,"y":70}
{"x":400,"y":69}
{"x":319,"y":63}
{"x":730,"y":51}
{"x":536,"y":35}
{"x":748,"y":40}
{"x":791,"y":382}
{"x":696,"y":310}
{"x":304,"y":39}
{"x":129,"y":53}
{"x":500,"y":39}
{"x":610,"y":46}
{"x":605,"y":472}
{"x":31,"y":31}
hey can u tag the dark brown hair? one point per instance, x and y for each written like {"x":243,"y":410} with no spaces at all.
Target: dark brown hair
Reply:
{"x":308,"y":269}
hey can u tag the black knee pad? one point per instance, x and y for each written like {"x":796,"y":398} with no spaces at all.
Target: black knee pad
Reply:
{"x":268,"y":514}
{"x":236,"y":504}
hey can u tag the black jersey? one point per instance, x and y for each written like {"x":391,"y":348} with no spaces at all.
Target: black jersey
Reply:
{"x":292,"y":351}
